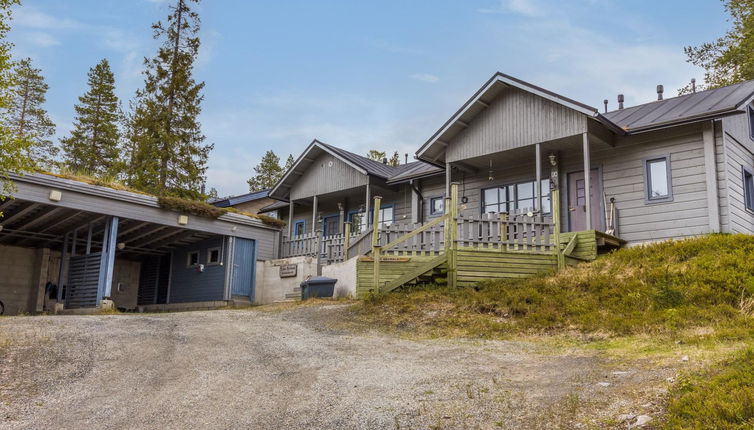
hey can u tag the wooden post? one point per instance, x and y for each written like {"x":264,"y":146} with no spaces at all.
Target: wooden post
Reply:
{"x":453,"y":222}
{"x":368,"y":201}
{"x":587,"y":181}
{"x":376,"y":242}
{"x":555,"y":199}
{"x":538,"y":172}
{"x":346,"y":239}
{"x":314,"y":213}
{"x":290,"y":220}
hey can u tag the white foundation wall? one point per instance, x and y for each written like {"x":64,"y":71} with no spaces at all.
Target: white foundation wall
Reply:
{"x":345,"y":273}
{"x":271,"y":288}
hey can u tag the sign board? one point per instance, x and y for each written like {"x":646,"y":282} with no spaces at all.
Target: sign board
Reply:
{"x":288,"y":270}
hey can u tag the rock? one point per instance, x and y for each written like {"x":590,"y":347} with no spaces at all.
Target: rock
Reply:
{"x":625,"y":417}
{"x":603,"y":384}
{"x":671,"y":379}
{"x":620,"y":373}
{"x":685,"y":358}
{"x":642,"y":420}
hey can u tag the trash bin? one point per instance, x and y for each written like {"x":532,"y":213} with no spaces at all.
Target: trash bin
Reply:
{"x":319,"y":286}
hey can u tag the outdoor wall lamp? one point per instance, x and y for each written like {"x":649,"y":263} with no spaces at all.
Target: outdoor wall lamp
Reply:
{"x":553,"y":159}
{"x":55,"y":195}
{"x":121,"y":246}
{"x":182,"y":219}
{"x":490,"y":176}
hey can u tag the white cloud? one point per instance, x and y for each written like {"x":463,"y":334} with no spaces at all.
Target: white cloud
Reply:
{"x":524,"y":7}
{"x":32,"y":17}
{"x":39,"y":39}
{"x":425,"y":77}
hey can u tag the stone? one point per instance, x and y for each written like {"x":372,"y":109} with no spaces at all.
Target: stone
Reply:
{"x":603,"y":384}
{"x":685,"y":358}
{"x":625,"y":417}
{"x":642,"y":420}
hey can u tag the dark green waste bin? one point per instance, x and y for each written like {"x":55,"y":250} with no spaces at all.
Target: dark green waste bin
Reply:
{"x":318,"y":286}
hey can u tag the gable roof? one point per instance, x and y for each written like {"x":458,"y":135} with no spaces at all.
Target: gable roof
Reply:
{"x":433,"y":149}
{"x":683,"y":109}
{"x":414,"y":170}
{"x":372,"y":167}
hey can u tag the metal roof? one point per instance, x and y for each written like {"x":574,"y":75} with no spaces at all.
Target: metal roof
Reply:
{"x":274,"y":206}
{"x":241,"y":198}
{"x":686,"y":108}
{"x":416,"y":169}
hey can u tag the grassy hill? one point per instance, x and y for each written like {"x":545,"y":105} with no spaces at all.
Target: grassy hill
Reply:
{"x":698,"y":291}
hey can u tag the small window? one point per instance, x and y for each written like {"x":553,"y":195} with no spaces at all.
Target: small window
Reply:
{"x":751,"y":122}
{"x":657,"y":178}
{"x":749,"y":188}
{"x":213,"y":256}
{"x":299,"y":228}
{"x":436,"y":206}
{"x":192,"y":259}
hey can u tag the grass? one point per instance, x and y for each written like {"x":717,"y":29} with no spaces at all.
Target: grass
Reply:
{"x":657,"y":289}
{"x":719,"y":398}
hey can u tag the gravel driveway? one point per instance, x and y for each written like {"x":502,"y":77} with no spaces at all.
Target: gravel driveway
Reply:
{"x":291,"y":369}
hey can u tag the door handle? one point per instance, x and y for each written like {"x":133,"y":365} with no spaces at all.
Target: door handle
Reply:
{"x":572,"y":209}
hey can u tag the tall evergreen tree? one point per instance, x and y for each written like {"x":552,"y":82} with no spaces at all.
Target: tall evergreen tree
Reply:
{"x":289,"y":162}
{"x":27,"y":117}
{"x":14,"y":153}
{"x":93,"y":144}
{"x":730,"y":58}
{"x":169,"y":155}
{"x":267,"y":173}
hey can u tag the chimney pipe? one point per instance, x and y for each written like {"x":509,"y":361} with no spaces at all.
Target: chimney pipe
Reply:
{"x":620,"y":101}
{"x":406,"y":154}
{"x":605,"y":102}
{"x":693,"y":85}
{"x":384,"y":160}
{"x":660,"y":90}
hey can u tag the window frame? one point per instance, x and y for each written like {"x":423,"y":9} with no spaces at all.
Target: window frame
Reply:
{"x":648,"y":199}
{"x":747,"y":176}
{"x":188,"y":259}
{"x":209,"y":256}
{"x":382,"y":220}
{"x":514,"y":200}
{"x":750,"y":112}
{"x":362,"y":221}
{"x":296,"y":223}
{"x":432,"y":212}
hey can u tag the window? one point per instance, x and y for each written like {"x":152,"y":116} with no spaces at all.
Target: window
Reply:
{"x":436,"y":206}
{"x":213,"y":256}
{"x":299,"y":228}
{"x":518,"y":198}
{"x":386,"y":215}
{"x":192,"y":259}
{"x":749,"y":188}
{"x":751,"y":122}
{"x":358,"y":221}
{"x":657,"y":178}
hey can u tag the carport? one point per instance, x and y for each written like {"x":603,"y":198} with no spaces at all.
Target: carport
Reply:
{"x":77,"y":244}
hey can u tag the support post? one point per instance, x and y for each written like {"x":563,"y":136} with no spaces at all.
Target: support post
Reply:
{"x":341,"y":218}
{"x":89,"y":239}
{"x":62,"y":275}
{"x":448,"y":177}
{"x":710,"y":168}
{"x":376,"y":243}
{"x":555,"y":199}
{"x":587,"y":181}
{"x":538,"y":172}
{"x":453,"y":222}
{"x":367,"y":206}
{"x":346,"y":239}
{"x":107,"y":260}
{"x":314,"y":213}
{"x":290,"y":220}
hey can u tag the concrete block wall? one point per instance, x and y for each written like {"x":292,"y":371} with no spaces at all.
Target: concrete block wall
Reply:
{"x":271,"y":288}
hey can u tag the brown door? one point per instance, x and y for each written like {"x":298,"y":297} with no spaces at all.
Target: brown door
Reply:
{"x":577,"y":201}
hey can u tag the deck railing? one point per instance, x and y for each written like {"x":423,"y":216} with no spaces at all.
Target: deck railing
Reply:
{"x":511,"y":233}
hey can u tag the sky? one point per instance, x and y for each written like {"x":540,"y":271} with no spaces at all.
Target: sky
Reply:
{"x":379,"y":74}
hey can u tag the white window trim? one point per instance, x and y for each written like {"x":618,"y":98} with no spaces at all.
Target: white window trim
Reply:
{"x":219,"y":256}
{"x":748,"y":197}
{"x":647,"y":178}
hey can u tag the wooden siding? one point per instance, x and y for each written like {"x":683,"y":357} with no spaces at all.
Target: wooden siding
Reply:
{"x":514,"y":119}
{"x":323,"y":178}
{"x":189,"y":285}
{"x":476,"y":265}
{"x":739,"y":152}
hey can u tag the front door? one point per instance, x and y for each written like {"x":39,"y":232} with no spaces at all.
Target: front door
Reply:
{"x":330,"y":225}
{"x":577,"y":200}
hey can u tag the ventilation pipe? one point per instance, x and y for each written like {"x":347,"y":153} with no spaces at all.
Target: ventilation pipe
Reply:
{"x":406,"y":154}
{"x":620,"y":101}
{"x":693,"y":85}
{"x":384,"y":160}
{"x":605,"y":102}
{"x":660,"y":90}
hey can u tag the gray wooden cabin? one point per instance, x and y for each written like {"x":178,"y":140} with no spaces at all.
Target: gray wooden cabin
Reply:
{"x":672,"y":168}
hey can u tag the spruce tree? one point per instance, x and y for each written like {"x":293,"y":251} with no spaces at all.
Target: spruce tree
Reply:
{"x":169,"y":155}
{"x":289,"y":162}
{"x":26,"y":116}
{"x":14,"y":156}
{"x":267,"y":173}
{"x":93,"y":144}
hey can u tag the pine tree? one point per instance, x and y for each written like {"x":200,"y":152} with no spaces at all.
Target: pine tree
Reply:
{"x":93,"y":144}
{"x":27,"y":117}
{"x":730,"y":58}
{"x":13,"y":152}
{"x":394,"y":160}
{"x":267,"y":173}
{"x":169,"y":155}
{"x":376,"y":155}
{"x":289,"y":162}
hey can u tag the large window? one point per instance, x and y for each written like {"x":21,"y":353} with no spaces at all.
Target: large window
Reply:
{"x":515,"y":198}
{"x":386,"y":215}
{"x":436,"y":206}
{"x":749,"y":188}
{"x":657,"y":178}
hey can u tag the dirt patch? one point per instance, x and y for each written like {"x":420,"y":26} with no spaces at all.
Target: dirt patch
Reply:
{"x":297,"y":368}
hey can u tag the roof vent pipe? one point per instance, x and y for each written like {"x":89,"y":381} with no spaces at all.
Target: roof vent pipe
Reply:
{"x":660,"y":90}
{"x":384,"y":160}
{"x":620,"y":101}
{"x":605,"y":102}
{"x":693,"y":85}
{"x":406,"y":154}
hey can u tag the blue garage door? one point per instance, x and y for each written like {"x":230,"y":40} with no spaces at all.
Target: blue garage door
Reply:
{"x":244,"y":264}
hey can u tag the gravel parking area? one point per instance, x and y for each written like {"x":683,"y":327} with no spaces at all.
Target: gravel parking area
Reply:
{"x":291,"y":369}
